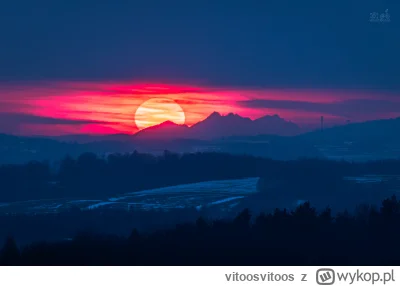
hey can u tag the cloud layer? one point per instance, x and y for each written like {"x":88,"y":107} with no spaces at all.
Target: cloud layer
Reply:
{"x":265,"y":44}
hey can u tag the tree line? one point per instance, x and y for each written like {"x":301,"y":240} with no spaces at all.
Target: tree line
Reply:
{"x":299,"y":237}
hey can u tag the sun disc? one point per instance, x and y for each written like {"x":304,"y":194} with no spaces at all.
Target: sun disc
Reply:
{"x":158,"y":110}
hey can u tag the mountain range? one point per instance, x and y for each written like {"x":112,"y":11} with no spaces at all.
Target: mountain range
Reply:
{"x":217,"y":126}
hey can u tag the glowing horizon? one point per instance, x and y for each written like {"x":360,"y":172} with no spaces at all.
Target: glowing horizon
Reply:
{"x":57,"y":108}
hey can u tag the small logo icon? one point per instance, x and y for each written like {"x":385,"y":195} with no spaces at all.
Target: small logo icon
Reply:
{"x":379,"y":18}
{"x":325,"y":276}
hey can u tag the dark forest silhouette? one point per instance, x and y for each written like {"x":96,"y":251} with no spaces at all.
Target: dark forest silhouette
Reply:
{"x":299,"y":237}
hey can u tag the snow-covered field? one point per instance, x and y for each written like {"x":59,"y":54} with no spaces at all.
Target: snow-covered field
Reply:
{"x":226,"y":194}
{"x":222,"y":195}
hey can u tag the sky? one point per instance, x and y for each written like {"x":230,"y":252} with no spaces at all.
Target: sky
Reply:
{"x":80,"y":67}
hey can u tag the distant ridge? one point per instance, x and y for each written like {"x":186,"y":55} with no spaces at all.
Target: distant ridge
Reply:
{"x":384,"y":130}
{"x":85,"y":138}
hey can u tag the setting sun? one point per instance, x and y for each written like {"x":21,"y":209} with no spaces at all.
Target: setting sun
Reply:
{"x":158,"y":110}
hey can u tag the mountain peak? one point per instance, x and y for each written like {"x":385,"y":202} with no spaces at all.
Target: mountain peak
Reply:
{"x":231,"y":114}
{"x":215,"y":114}
{"x":167,"y":123}
{"x":271,"y":116}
